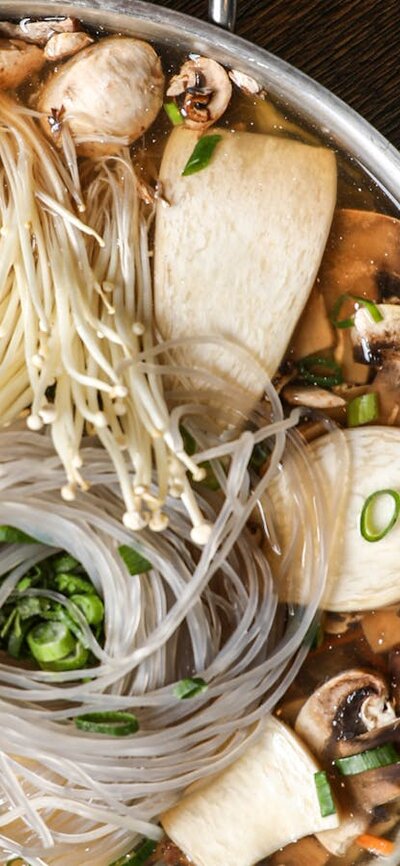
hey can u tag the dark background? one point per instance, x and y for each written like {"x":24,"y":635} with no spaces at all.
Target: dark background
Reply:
{"x":350,"y":46}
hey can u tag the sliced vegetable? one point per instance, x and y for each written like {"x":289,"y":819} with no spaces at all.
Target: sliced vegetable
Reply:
{"x":201,"y":155}
{"x":64,"y":562}
{"x":190,"y":687}
{"x":137,"y":857}
{"x":325,"y":798}
{"x":368,"y":523}
{"x":50,"y":641}
{"x":382,"y":756}
{"x":12,"y":535}
{"x":73,"y":583}
{"x":348,"y":322}
{"x":312,"y":368}
{"x":134,"y":561}
{"x":91,"y":606}
{"x":172,"y":111}
{"x":74,"y":661}
{"x":113,"y":724}
{"x":375,"y":844}
{"x":363,"y":410}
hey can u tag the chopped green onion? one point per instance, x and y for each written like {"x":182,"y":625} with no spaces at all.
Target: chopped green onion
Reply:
{"x":50,"y":641}
{"x":138,"y":857}
{"x":114,"y":724}
{"x":64,"y":562}
{"x":348,"y":322}
{"x":172,"y":111}
{"x":363,"y":410}
{"x":372,"y":759}
{"x":307,"y":370}
{"x":324,"y":793}
{"x":70,"y":584}
{"x":72,"y":662}
{"x":368,"y":527}
{"x":91,"y":606}
{"x":190,"y":687}
{"x":202,"y":153}
{"x":11,"y":535}
{"x":134,"y":561}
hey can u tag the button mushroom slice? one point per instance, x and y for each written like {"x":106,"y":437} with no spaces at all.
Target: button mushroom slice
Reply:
{"x":110,"y":90}
{"x":62,"y":45}
{"x":361,"y":575}
{"x":314,"y":398}
{"x":382,"y":628}
{"x":372,"y":339}
{"x":246,"y":83}
{"x":18,"y":61}
{"x":38,"y":32}
{"x":237,"y":252}
{"x":205,"y":89}
{"x":373,"y":788}
{"x":223,"y":822}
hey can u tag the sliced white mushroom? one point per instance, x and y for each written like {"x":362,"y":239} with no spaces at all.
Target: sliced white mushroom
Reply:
{"x":18,"y":61}
{"x":110,"y":90}
{"x":314,"y":398}
{"x":38,"y":32}
{"x":237,"y":252}
{"x":362,"y":575}
{"x":372,"y":338}
{"x":263,"y":801}
{"x":246,"y":83}
{"x":62,"y":45}
{"x":205,"y":89}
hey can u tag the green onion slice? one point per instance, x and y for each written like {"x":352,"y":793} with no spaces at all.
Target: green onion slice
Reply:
{"x":91,"y":606}
{"x":72,"y":662}
{"x":11,"y":535}
{"x":50,"y":641}
{"x":64,"y":563}
{"x":138,"y":857}
{"x":372,"y":759}
{"x":134,"y":561}
{"x":114,"y":724}
{"x":172,"y":111}
{"x":348,"y":322}
{"x":368,"y":527}
{"x":190,"y":687}
{"x":324,"y":793}
{"x":202,"y":153}
{"x":363,"y":410}
{"x":312,"y":368}
{"x":70,"y":584}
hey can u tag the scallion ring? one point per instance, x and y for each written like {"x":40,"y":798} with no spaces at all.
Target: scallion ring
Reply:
{"x":372,"y":759}
{"x":363,"y":410}
{"x":50,"y":641}
{"x":324,"y":794}
{"x":311,"y":370}
{"x":113,"y":724}
{"x":368,"y":529}
{"x":190,"y":687}
{"x":348,"y":322}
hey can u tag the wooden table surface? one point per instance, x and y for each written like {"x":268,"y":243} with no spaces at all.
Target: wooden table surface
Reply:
{"x":350,"y":46}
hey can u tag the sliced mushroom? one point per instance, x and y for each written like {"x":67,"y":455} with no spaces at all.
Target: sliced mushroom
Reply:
{"x":110,"y":90}
{"x":373,"y":788}
{"x":63,"y":45}
{"x":339,"y":623}
{"x":223,"y":822}
{"x":257,"y":216}
{"x":205,"y":89}
{"x":18,"y":61}
{"x":373,"y":340}
{"x":38,"y":32}
{"x":305,"y":852}
{"x":382,"y":628}
{"x":246,"y":83}
{"x":314,"y":333}
{"x":314,"y":398}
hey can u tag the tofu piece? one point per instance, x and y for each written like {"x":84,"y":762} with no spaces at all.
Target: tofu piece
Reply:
{"x":263,"y":801}
{"x":238,"y":250}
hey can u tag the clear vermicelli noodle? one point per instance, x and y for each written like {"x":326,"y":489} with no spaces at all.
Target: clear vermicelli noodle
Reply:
{"x":213,"y":612}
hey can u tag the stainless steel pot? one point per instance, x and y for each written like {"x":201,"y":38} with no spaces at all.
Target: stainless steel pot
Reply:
{"x":338,"y":123}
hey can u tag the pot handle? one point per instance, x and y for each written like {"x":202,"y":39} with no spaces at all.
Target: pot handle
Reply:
{"x":223,"y":13}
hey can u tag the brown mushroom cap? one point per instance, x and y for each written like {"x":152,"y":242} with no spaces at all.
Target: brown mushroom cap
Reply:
{"x":62,"y":45}
{"x":206,"y":88}
{"x":38,"y":32}
{"x":349,"y":704}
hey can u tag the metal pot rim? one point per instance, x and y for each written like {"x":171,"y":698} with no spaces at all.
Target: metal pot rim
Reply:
{"x":339,"y":124}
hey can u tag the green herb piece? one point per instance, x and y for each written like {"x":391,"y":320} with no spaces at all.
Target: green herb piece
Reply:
{"x":91,"y":606}
{"x":172,"y":111}
{"x":324,"y":793}
{"x":190,"y":687}
{"x":70,"y":584}
{"x":138,"y":857}
{"x":72,"y":662}
{"x":28,"y":607}
{"x":348,"y":322}
{"x":259,"y":455}
{"x":363,"y":410}
{"x":368,"y":527}
{"x":114,"y":724}
{"x":11,"y":535}
{"x":134,"y":561}
{"x":17,"y":636}
{"x":312,"y":368}
{"x":50,"y":641}
{"x":202,"y":153}
{"x":64,"y":563}
{"x":372,"y":759}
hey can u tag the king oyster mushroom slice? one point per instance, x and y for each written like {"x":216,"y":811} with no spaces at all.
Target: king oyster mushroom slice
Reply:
{"x":361,"y":575}
{"x":18,"y":61}
{"x":112,"y":89}
{"x":62,"y":45}
{"x":237,"y":252}
{"x":205,"y":89}
{"x":345,"y":706}
{"x":38,"y":32}
{"x":223,"y":822}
